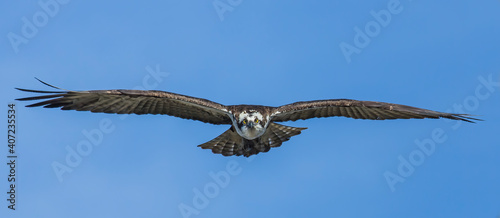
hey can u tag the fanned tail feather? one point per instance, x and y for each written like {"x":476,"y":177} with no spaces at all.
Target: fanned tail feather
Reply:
{"x":230,"y":143}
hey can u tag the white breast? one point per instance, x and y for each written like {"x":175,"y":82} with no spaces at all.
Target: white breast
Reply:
{"x":250,"y":133}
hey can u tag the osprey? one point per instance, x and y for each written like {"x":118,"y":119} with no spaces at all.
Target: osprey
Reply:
{"x":253,"y":127}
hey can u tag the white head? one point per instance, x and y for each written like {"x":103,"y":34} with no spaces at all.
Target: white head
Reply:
{"x":250,"y":124}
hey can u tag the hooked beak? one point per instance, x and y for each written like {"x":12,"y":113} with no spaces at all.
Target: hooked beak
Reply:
{"x":250,"y":124}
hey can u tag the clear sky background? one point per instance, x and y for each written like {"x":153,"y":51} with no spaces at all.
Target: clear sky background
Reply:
{"x":439,"y":55}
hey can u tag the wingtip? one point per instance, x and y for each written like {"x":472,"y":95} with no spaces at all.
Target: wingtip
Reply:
{"x":467,"y":118}
{"x":24,"y":90}
{"x":55,"y":87}
{"x":39,"y":91}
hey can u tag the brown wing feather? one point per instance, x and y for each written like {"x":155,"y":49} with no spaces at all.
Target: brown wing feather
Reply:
{"x":121,"y":101}
{"x":358,"y":110}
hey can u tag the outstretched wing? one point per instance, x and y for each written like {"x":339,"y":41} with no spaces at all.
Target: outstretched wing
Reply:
{"x":358,"y":110}
{"x":122,"y":101}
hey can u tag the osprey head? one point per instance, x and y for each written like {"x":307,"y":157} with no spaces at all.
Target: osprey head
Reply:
{"x":250,"y":124}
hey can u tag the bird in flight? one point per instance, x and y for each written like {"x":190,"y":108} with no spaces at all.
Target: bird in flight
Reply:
{"x":253,"y":127}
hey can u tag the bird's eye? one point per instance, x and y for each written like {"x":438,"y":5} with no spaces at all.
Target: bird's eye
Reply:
{"x":256,"y":120}
{"x":245,"y":122}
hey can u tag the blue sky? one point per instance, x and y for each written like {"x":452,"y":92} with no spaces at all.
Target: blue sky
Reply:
{"x":437,"y":55}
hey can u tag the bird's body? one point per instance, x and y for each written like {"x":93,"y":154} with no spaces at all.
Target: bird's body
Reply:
{"x":253,"y":128}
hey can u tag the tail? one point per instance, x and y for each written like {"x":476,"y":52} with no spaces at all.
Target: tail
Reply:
{"x":231,"y":143}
